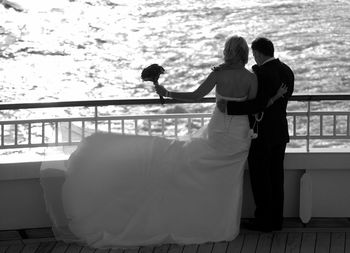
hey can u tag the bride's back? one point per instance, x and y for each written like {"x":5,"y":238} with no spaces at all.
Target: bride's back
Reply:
{"x":234,"y":82}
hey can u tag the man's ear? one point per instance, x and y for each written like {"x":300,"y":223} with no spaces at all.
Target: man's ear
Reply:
{"x":257,"y":54}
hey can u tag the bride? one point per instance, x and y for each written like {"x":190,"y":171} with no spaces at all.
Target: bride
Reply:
{"x":129,"y":191}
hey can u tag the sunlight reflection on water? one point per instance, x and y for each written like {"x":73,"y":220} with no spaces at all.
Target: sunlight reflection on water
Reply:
{"x":68,"y":50}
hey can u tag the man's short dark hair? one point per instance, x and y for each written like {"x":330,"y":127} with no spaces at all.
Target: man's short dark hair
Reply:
{"x":264,"y":46}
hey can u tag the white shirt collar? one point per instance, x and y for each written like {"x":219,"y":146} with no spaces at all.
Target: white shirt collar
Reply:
{"x":270,"y":59}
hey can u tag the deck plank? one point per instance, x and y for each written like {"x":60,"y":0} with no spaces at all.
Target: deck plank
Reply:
{"x":192,"y":248}
{"x":219,"y":247}
{"x":101,"y":250}
{"x":85,"y":249}
{"x":250,"y":242}
{"x":175,"y":248}
{"x":347,"y":243}
{"x":337,"y":242}
{"x":31,"y":247}
{"x":333,"y":240}
{"x":162,"y":248}
{"x":145,"y":249}
{"x":115,"y":251}
{"x":205,"y":248}
{"x":235,"y":246}
{"x":264,"y":243}
{"x":3,"y":248}
{"x":279,"y":242}
{"x":323,"y":241}
{"x":131,"y":250}
{"x":15,"y":248}
{"x":60,"y":247}
{"x":293,"y":242}
{"x":73,"y":248}
{"x":46,"y":247}
{"x":308,"y":242}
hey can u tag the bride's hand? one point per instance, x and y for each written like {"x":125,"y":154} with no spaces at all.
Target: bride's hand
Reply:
{"x":161,"y":91}
{"x":280,"y":93}
{"x":282,"y":90}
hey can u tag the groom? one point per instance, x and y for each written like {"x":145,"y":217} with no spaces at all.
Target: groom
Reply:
{"x":266,"y":154}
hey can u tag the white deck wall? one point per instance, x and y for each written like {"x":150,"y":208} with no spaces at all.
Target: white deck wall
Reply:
{"x":324,"y":192}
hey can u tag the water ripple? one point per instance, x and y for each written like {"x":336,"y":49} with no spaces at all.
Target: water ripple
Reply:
{"x":69,"y":50}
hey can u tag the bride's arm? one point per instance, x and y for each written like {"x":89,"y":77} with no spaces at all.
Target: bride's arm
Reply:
{"x":200,"y":92}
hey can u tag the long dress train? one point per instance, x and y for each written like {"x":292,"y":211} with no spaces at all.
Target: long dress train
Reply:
{"x":124,"y":191}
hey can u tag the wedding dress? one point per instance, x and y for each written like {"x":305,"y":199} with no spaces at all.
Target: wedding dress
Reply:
{"x":124,"y":191}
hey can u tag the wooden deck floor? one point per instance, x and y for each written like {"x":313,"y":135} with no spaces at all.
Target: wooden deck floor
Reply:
{"x":317,"y":237}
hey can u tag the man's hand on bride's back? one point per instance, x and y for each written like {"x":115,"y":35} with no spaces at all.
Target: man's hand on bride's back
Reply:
{"x":221,"y":105}
{"x":160,"y":90}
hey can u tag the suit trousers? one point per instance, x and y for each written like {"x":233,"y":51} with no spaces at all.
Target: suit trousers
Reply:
{"x":266,"y":169}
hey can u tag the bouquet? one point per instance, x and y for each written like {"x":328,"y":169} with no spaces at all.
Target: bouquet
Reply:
{"x":152,"y":73}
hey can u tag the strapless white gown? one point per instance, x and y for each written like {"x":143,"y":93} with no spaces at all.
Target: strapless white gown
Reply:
{"x":126,"y":191}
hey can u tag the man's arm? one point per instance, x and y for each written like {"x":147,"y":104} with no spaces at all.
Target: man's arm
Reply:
{"x":251,"y":106}
{"x":247,"y":107}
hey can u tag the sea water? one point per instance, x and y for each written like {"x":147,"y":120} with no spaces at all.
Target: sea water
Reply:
{"x":96,"y":49}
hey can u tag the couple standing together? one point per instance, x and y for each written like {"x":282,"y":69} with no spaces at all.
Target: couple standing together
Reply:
{"x":267,"y":89}
{"x":132,"y":190}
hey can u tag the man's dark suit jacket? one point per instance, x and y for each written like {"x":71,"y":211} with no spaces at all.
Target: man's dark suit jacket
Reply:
{"x":274,"y":126}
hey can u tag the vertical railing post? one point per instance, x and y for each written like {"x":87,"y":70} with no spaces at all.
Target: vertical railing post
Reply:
{"x":29,"y":134}
{"x":96,"y":119}
{"x":43,"y":132}
{"x":308,"y":126}
{"x":16,"y":135}
{"x":294,"y":126}
{"x":149,"y":127}
{"x":2,"y":135}
{"x":83,"y":129}
{"x":56,"y":133}
{"x":70,"y":132}
{"x":348,"y":130}
{"x":176,"y":127}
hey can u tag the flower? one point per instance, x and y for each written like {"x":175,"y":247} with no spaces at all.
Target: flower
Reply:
{"x":152,"y":73}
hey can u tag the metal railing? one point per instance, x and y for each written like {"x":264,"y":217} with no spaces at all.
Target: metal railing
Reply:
{"x":310,"y":119}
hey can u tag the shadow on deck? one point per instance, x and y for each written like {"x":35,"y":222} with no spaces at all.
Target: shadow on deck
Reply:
{"x":319,"y":235}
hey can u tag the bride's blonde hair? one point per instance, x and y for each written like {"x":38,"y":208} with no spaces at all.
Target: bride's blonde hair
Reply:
{"x":236,"y":49}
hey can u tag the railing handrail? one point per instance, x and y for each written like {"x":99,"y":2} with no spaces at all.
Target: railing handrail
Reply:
{"x":150,"y":101}
{"x":305,"y":125}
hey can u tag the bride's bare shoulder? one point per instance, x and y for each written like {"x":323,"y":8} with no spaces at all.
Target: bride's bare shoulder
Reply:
{"x":250,"y":74}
